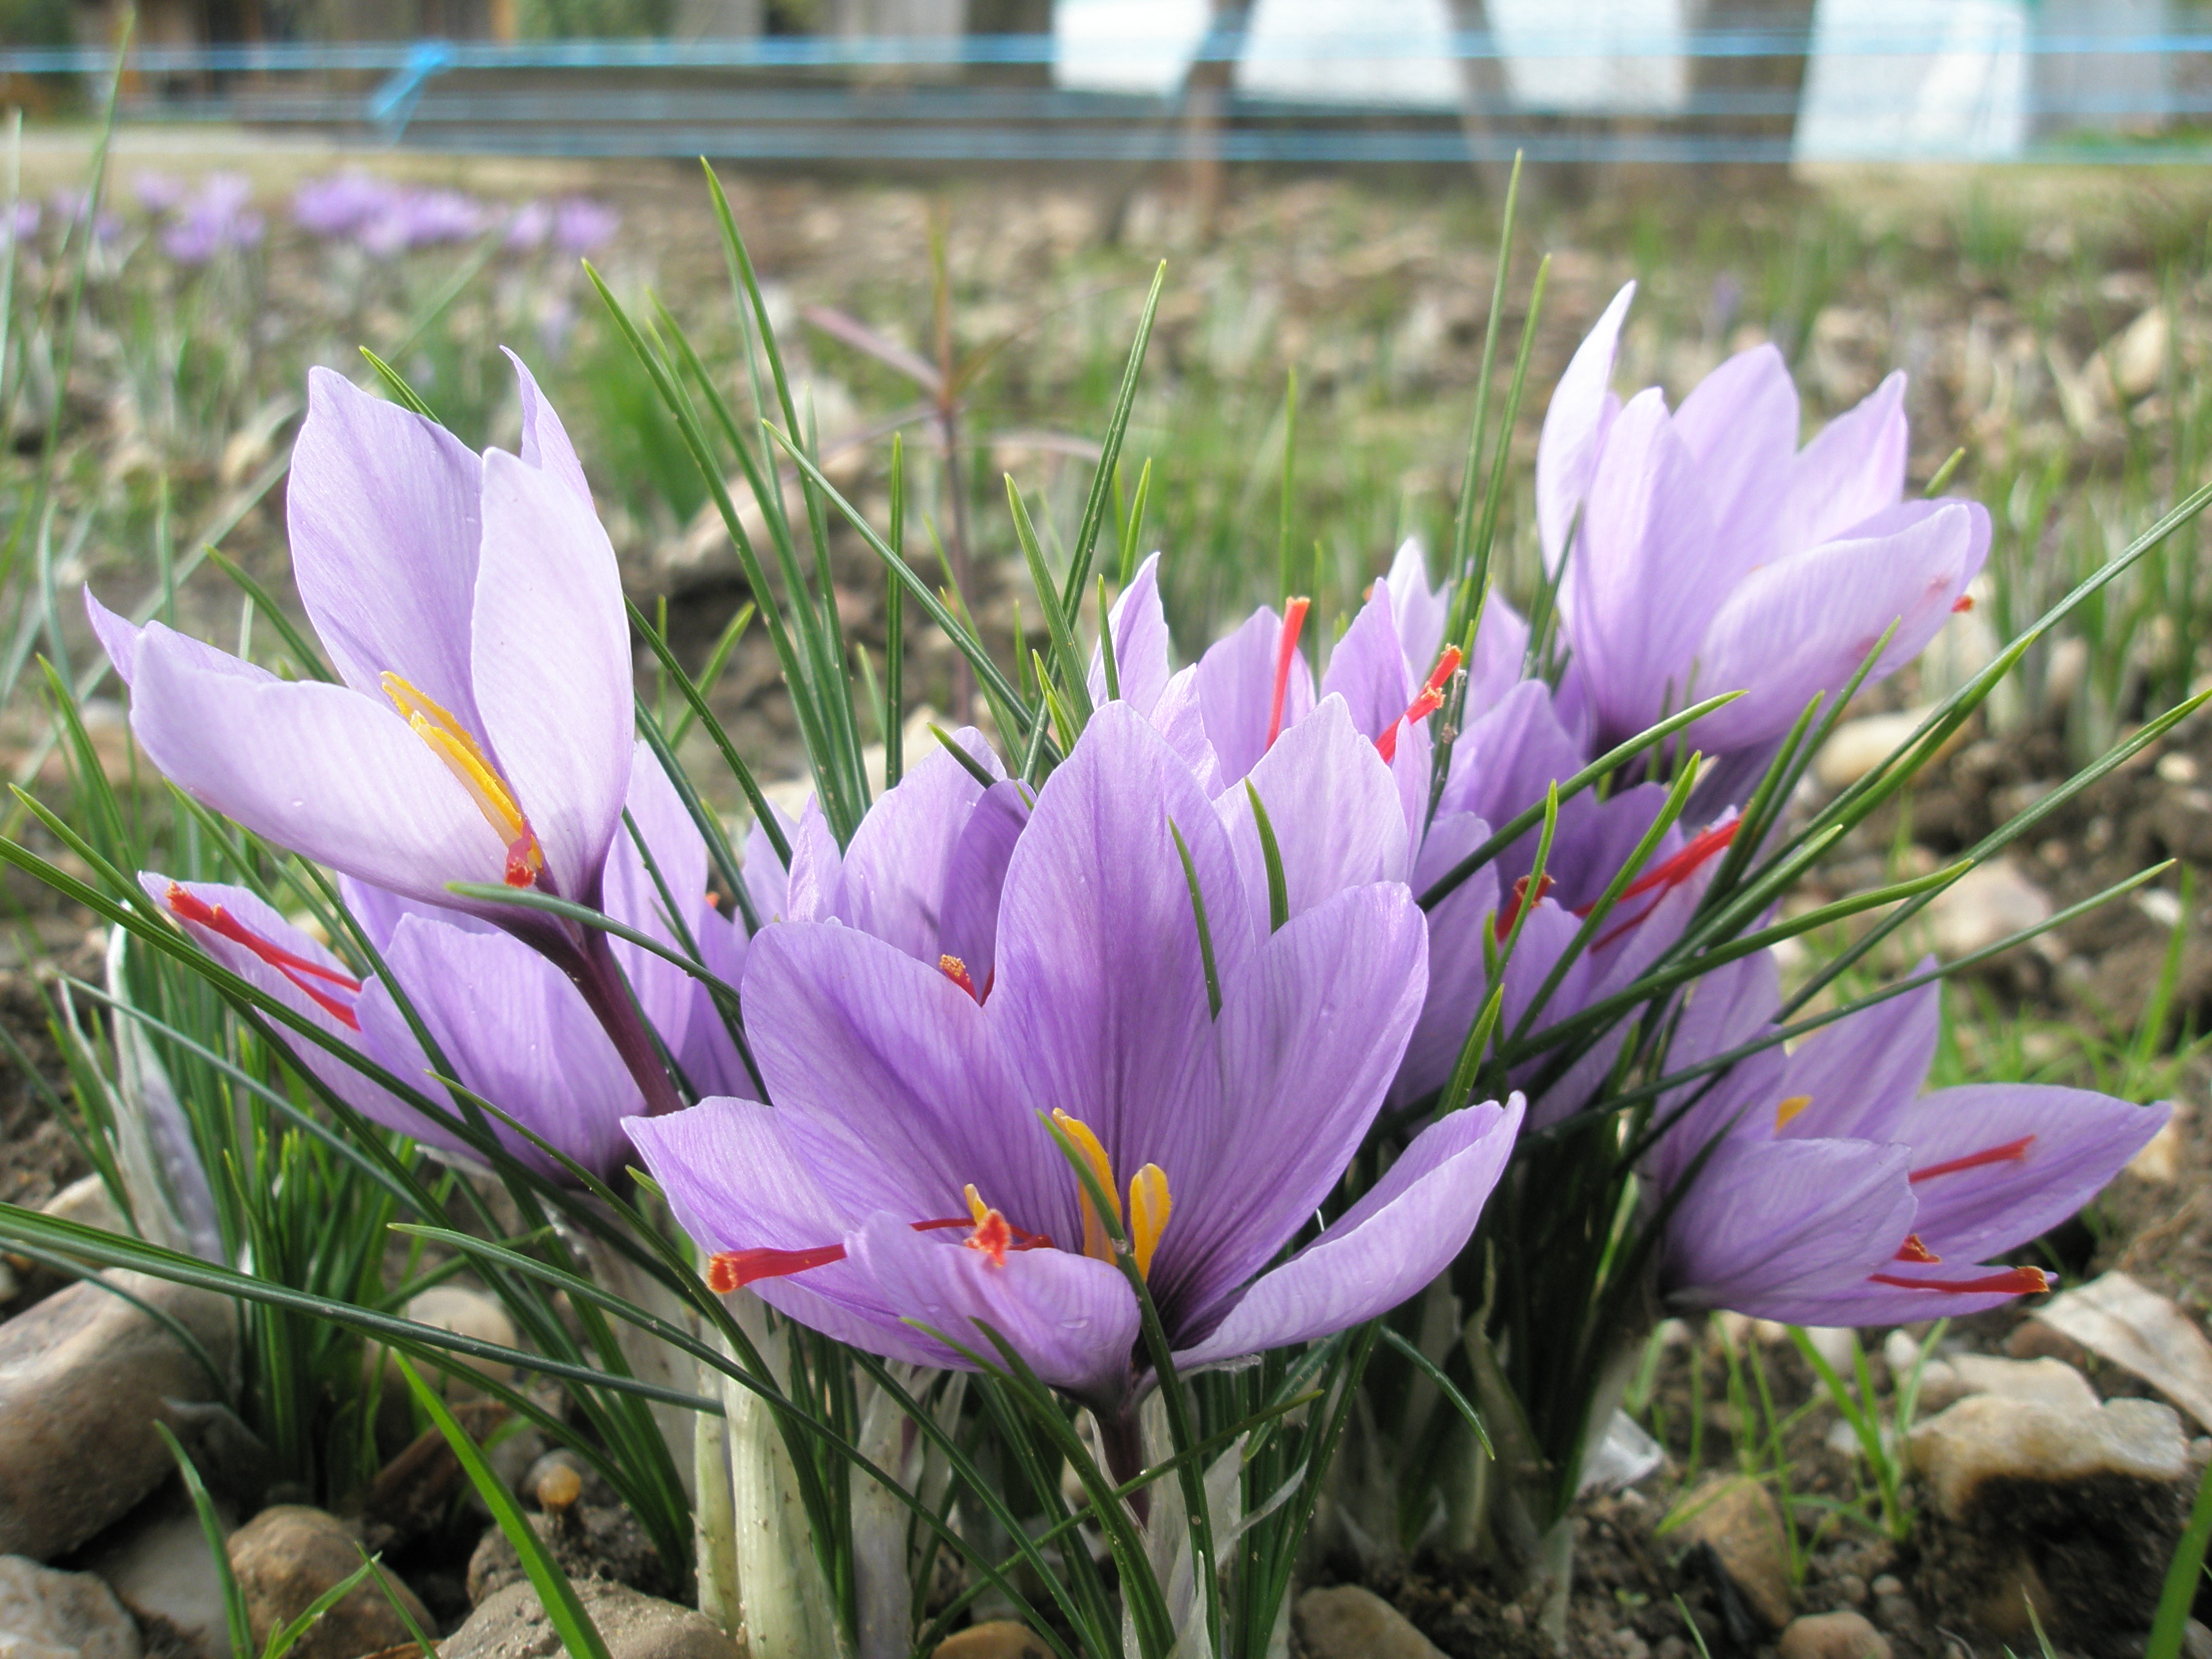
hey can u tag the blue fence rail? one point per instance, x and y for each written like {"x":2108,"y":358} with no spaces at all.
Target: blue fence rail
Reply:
{"x":2007,"y":87}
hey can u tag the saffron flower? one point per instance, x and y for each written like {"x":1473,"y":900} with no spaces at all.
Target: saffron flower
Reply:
{"x":1703,"y":551}
{"x":471,"y":608}
{"x":1820,"y":1187}
{"x":903,"y":1178}
{"x":513,"y":1029}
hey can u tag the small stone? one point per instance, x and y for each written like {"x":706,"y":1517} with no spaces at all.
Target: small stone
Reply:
{"x":84,"y":1375}
{"x":1850,"y":1588}
{"x":1989,"y":903}
{"x":1887,"y":1585}
{"x":449,"y":1307}
{"x":158,"y":1563}
{"x":1736,"y":1518}
{"x":1990,"y":1437}
{"x":1832,"y":1636}
{"x":2045,"y":1382}
{"x":1001,"y":1638}
{"x":287,"y":1556}
{"x":513,"y":1625}
{"x":71,"y":1616}
{"x":2195,"y":1641}
{"x":558,"y":1487}
{"x":1348,"y":1622}
{"x":1858,"y":746}
{"x":2132,"y":1325}
{"x":2138,"y":355}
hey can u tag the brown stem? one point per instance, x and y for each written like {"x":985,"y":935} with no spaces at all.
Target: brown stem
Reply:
{"x":591,"y":964}
{"x":1123,"y":1440}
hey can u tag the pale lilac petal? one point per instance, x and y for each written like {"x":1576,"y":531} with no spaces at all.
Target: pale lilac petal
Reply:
{"x":1503,"y":762}
{"x":1858,"y":1076}
{"x":1401,"y":1235}
{"x":1180,"y":719}
{"x":117,"y":635}
{"x":1458,"y":978}
{"x":378,"y":910}
{"x":1575,"y":429}
{"x":892,"y":1083}
{"x":1311,"y":1035}
{"x":552,"y":667}
{"x":1721,"y":1011}
{"x":1636,"y":596}
{"x":1073,"y":1321}
{"x":975,"y":876}
{"x":1740,"y":426}
{"x":1769,"y":1227}
{"x":1237,"y":689}
{"x":382,"y":510}
{"x":767,"y":881}
{"x":545,"y":443}
{"x":316,"y":768}
{"x":709,"y":1056}
{"x":664,"y":991}
{"x":735,"y":1184}
{"x":121,"y":638}
{"x":1501,"y":647}
{"x":520,"y":1036}
{"x":2077,"y":1141}
{"x":1139,"y":628}
{"x":817,"y":864}
{"x":1852,"y":470}
{"x":1907,"y":565}
{"x":1333,"y":807}
{"x":893,"y":882}
{"x":1419,"y":610}
{"x":1100,"y":1004}
{"x":1368,"y":669}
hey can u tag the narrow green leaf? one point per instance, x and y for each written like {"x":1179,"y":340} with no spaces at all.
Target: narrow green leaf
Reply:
{"x":1109,"y":451}
{"x":1278,"y":892}
{"x":1198,"y":914}
{"x":396,"y":383}
{"x":211,"y":1528}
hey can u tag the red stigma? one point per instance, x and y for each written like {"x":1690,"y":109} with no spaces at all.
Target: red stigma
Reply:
{"x":2012,"y":1151}
{"x":520,"y":872}
{"x":2013,"y":1281}
{"x":992,"y":1237}
{"x":296,"y":968}
{"x":957,"y":971}
{"x":1294,"y":618}
{"x":1668,"y":873}
{"x":1914,"y":1251}
{"x":1963,"y":602}
{"x":731,"y":1270}
{"x":1425,"y":702}
{"x":1510,"y":912}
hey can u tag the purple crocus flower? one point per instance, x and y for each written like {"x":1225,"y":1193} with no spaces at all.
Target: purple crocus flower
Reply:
{"x":903,"y":1178}
{"x":156,"y":193}
{"x":471,"y":608}
{"x":581,"y":225}
{"x":1708,"y":553}
{"x":214,"y":220}
{"x":341,"y":204}
{"x":527,"y":231}
{"x":1820,"y":1187}
{"x":421,"y":218}
{"x":515,"y":1030}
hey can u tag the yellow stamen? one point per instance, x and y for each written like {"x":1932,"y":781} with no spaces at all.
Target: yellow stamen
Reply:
{"x":976,"y":1207}
{"x":1095,"y":1243}
{"x":465,"y":759}
{"x":1789,"y":1110}
{"x":1150,"y":1205}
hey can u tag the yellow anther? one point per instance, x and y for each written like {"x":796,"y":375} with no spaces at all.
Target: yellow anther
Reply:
{"x":1789,"y":1110}
{"x":1150,"y":1205}
{"x":1096,"y":1242}
{"x":465,"y":759}
{"x":976,"y":1207}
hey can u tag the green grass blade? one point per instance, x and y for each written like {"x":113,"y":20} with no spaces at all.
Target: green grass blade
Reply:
{"x":1109,"y":452}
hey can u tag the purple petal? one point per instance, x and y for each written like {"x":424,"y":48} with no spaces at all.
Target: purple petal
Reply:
{"x":1853,"y":470}
{"x":1101,"y":1003}
{"x":1771,"y":1227}
{"x":117,"y":635}
{"x":664,"y":991}
{"x":1502,"y":763}
{"x":1420,"y":611}
{"x":2076,"y":1142}
{"x":975,"y":876}
{"x":1367,"y":668}
{"x":378,"y":910}
{"x":552,"y":667}
{"x":1575,"y":428}
{"x":709,"y":1056}
{"x":767,"y":881}
{"x":519,"y":1035}
{"x":1859,"y":1075}
{"x":1741,"y":425}
{"x":1073,"y":1319}
{"x":1401,"y":1235}
{"x":1236,"y":690}
{"x":1333,"y":807}
{"x":1501,"y":645}
{"x":545,"y":443}
{"x":892,"y":883}
{"x":888,"y":1077}
{"x":316,"y":768}
{"x":121,"y":638}
{"x":383,"y":515}
{"x":1635,"y":595}
{"x":1307,"y":1041}
{"x":1140,"y":627}
{"x":1907,"y":565}
{"x":810,"y":891}
{"x":1180,"y":719}
{"x":1458,"y":979}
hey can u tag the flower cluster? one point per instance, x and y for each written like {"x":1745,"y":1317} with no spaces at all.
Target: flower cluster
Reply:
{"x":386,"y":219}
{"x":1027,"y":1056}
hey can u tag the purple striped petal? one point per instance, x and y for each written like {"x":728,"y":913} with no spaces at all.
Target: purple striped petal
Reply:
{"x":1237,"y":689}
{"x":1575,"y":429}
{"x":1140,"y":631}
{"x":1853,"y":470}
{"x":893,"y":882}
